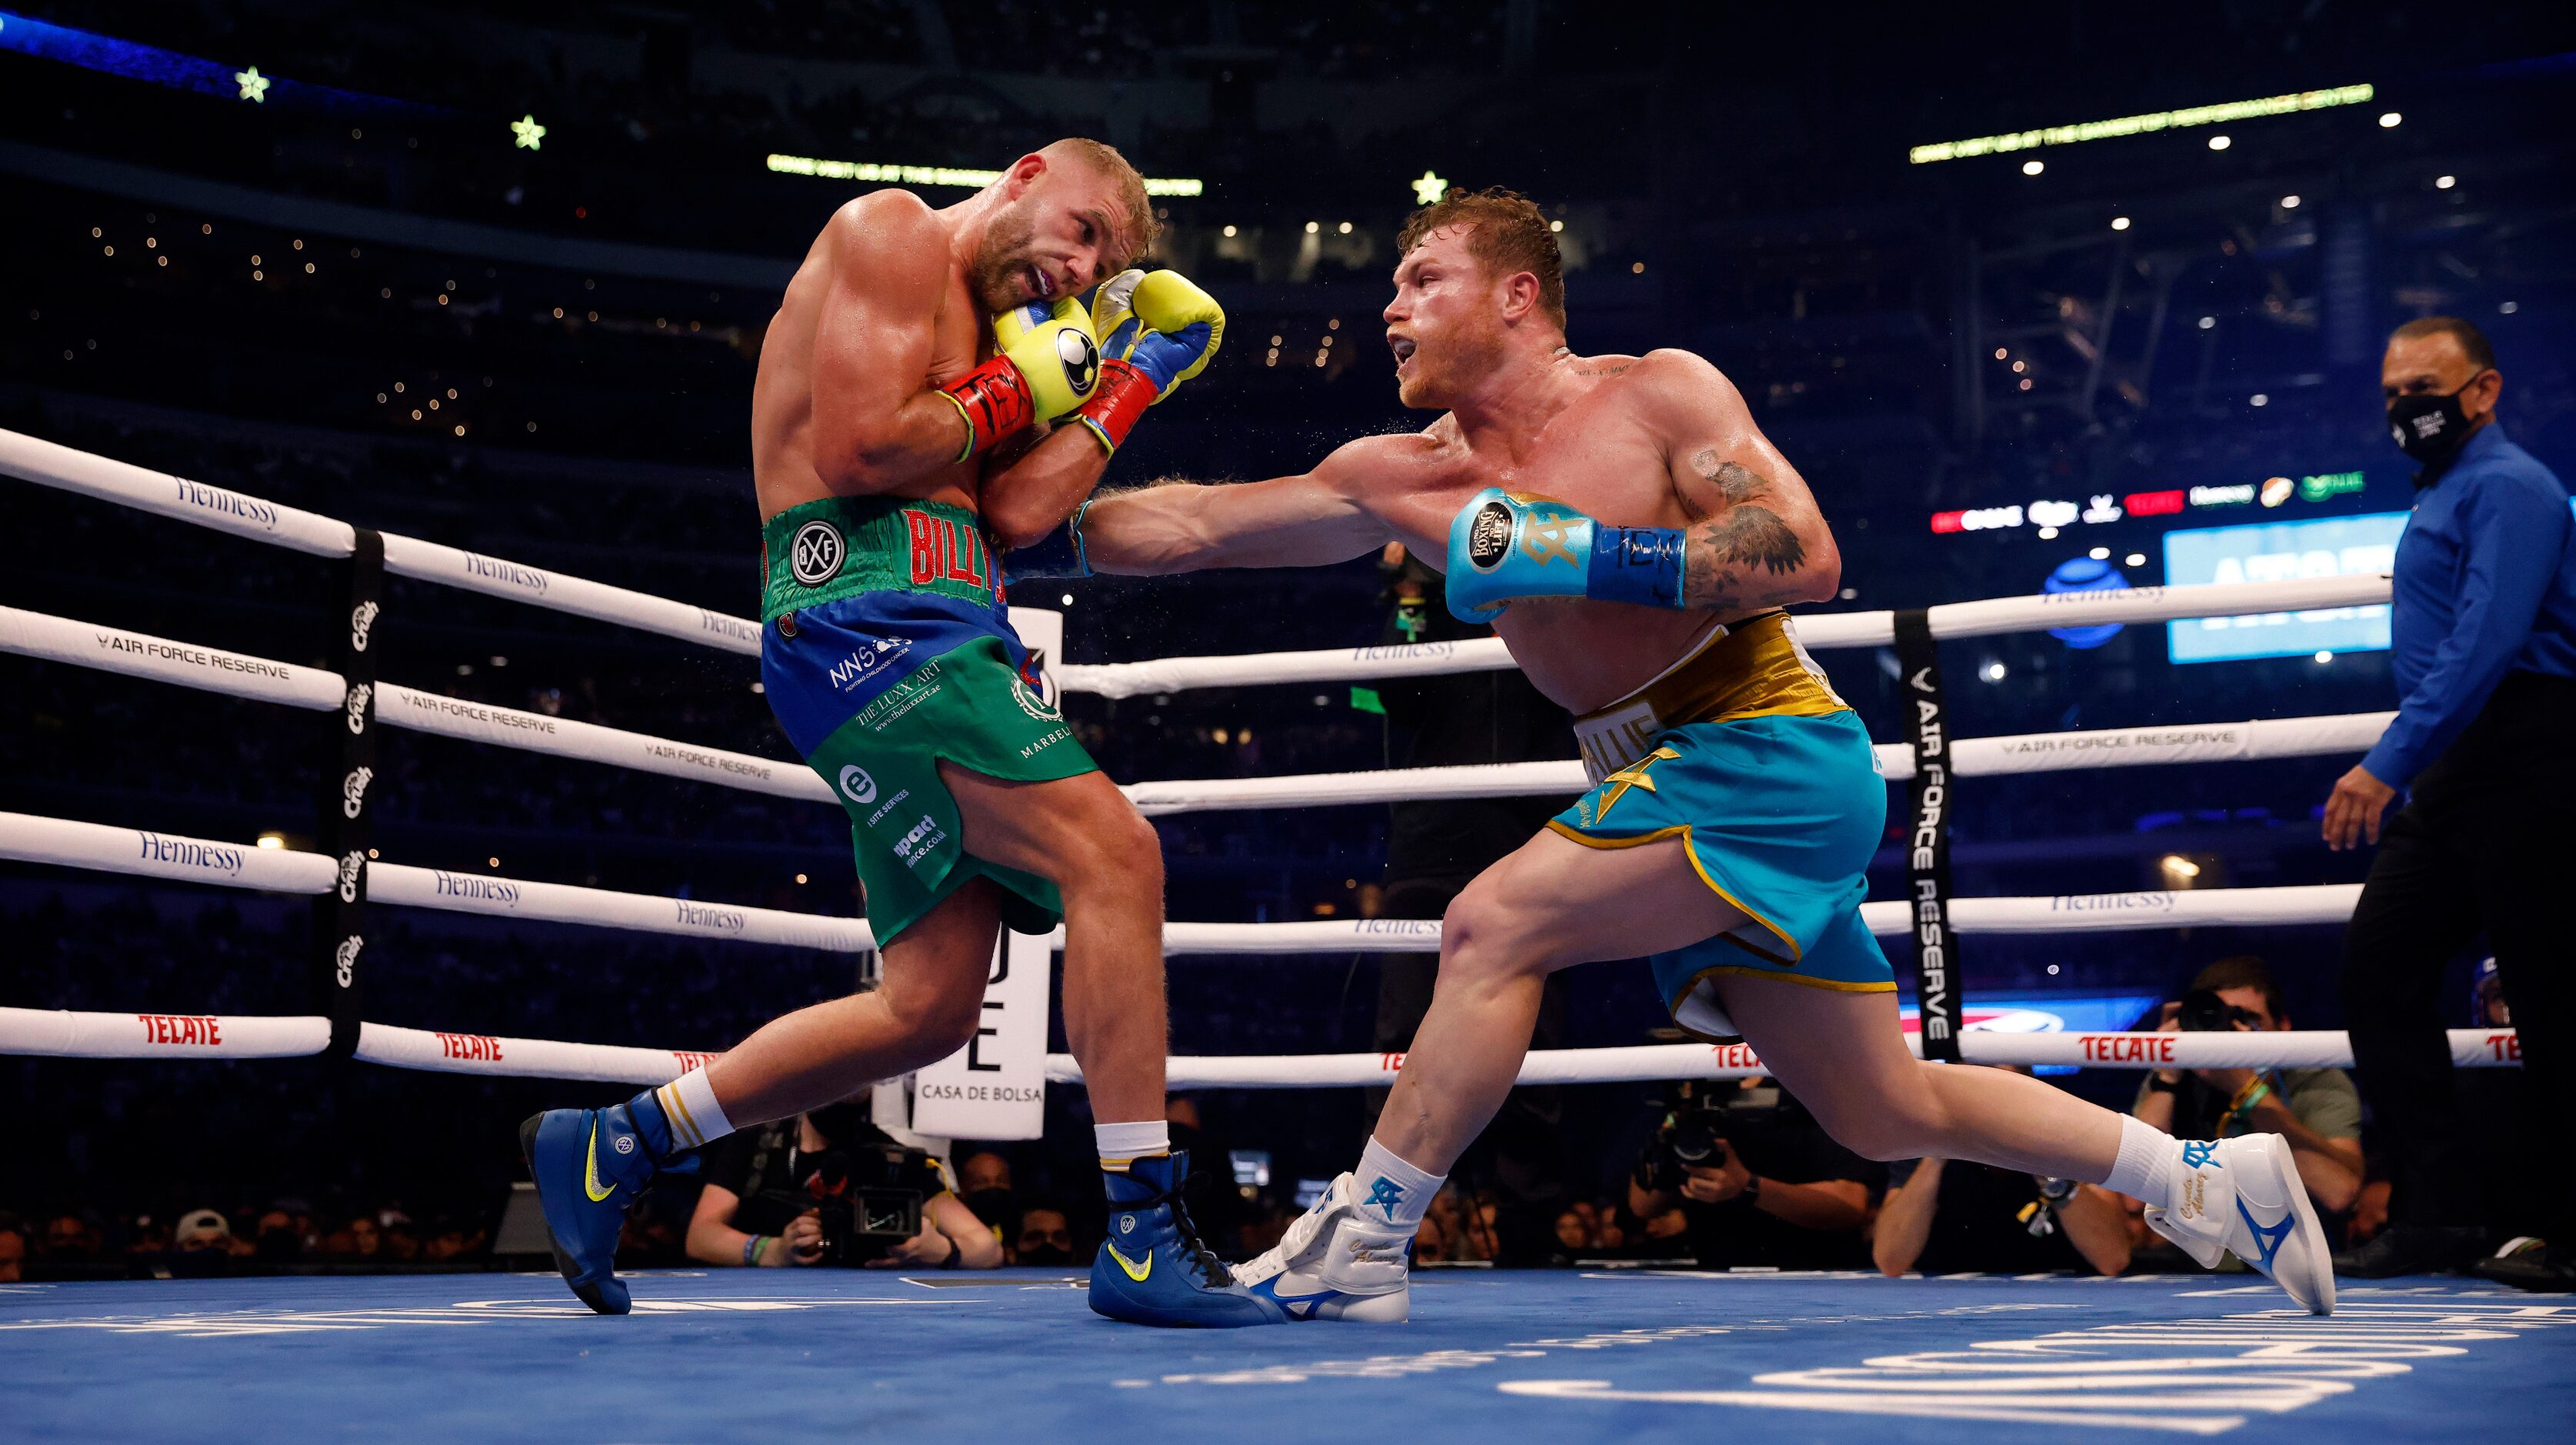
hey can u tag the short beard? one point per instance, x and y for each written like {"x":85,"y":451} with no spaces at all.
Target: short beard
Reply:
{"x":995,"y":274}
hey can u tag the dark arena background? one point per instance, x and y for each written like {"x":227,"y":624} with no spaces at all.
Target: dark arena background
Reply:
{"x":2041,"y":300}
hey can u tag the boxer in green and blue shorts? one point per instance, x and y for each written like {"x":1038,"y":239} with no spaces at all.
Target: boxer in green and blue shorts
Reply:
{"x":885,"y":650}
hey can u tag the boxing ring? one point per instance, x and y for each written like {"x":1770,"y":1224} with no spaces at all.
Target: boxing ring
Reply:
{"x":1643,"y":1354}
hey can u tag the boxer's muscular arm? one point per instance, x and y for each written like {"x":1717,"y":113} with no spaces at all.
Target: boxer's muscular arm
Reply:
{"x":1757,"y":539}
{"x":877,"y":424}
{"x":1310,"y":520}
{"x":1033,"y":493}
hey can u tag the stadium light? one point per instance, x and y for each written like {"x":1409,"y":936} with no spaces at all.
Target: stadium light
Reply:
{"x":2390,"y":120}
{"x":2032,"y":168}
{"x":973,"y":180}
{"x":1428,"y":188}
{"x":2220,"y":142}
{"x":2119,"y":223}
{"x":2146,"y":124}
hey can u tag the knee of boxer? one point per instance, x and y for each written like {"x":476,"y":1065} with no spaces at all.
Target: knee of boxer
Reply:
{"x":1116,"y":851}
{"x":936,"y":1018}
{"x":1484,"y":936}
{"x":1882,"y":1126}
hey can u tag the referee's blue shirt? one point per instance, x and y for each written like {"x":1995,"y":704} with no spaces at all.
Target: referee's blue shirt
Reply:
{"x":2485,"y":584}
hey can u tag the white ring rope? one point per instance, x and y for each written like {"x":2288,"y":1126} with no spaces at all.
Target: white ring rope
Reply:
{"x":131,"y":851}
{"x":31,"y":839}
{"x":28,"y":838}
{"x":61,"y":1033}
{"x":51,"y":464}
{"x":135,"y":654}
{"x":1817,"y":631}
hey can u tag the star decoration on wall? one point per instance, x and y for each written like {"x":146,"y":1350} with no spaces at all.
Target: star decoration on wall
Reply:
{"x":254,"y":86}
{"x":529,"y":133}
{"x":1429,"y":189}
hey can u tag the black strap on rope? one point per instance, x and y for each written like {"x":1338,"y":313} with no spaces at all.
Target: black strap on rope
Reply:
{"x":1927,"y":840}
{"x":347,"y":771}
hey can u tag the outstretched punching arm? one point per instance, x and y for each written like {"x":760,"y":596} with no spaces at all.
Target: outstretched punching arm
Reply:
{"x":1309,"y":520}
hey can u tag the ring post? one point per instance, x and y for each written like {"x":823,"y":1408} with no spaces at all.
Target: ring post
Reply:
{"x":1927,"y":843}
{"x":348,"y":768}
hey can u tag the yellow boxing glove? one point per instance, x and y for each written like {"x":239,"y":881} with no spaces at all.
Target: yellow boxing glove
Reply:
{"x":1045,"y":366}
{"x":1156,"y":329}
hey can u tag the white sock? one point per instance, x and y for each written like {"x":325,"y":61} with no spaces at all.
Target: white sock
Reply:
{"x":1123,"y":1144}
{"x":689,"y":1103}
{"x":2145,"y":1168}
{"x":1389,"y":1190}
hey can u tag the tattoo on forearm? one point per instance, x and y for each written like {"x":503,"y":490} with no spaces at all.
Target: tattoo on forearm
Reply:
{"x":1729,"y":558}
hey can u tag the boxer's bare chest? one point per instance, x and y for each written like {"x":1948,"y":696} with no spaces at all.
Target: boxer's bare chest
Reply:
{"x":1597,"y":455}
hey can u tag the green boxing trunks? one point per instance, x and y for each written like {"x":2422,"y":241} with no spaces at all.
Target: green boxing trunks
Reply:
{"x":885,"y":650}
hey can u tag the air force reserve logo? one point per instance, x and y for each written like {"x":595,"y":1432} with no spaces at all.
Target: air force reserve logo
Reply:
{"x":816,"y":554}
{"x":857,"y":786}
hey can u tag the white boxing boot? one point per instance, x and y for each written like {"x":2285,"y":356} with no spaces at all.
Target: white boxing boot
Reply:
{"x":2244,"y":1195}
{"x":1332,"y":1264}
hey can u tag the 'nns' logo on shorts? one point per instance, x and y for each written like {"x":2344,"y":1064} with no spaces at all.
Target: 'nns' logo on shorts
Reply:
{"x":816,"y":554}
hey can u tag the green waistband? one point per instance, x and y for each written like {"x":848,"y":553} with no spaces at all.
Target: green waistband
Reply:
{"x":822,"y":551}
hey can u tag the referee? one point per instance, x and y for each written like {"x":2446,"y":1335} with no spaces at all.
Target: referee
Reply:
{"x":2484,"y":650}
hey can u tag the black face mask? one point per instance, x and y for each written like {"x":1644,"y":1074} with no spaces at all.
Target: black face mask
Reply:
{"x":2429,"y":427}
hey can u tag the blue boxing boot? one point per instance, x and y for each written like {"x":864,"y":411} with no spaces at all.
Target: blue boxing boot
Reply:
{"x":589,"y":1165}
{"x":1152,"y":1269}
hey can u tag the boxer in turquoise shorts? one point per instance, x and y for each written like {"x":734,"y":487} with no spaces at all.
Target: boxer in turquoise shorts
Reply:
{"x":1743,"y":752}
{"x":1631,"y":534}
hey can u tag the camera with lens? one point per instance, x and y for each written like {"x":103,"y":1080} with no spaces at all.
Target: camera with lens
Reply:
{"x":2202,"y":1011}
{"x":867,"y":1198}
{"x":1702,"y":1122}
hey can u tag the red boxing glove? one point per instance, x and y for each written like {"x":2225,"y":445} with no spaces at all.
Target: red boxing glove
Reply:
{"x":995,"y":401}
{"x":1126,"y":389}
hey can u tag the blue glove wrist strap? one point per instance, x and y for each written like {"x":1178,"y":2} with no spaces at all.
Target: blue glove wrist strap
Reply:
{"x":1642,"y":565}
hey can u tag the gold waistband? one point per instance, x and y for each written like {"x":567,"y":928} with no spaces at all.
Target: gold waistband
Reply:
{"x":1754,"y":668}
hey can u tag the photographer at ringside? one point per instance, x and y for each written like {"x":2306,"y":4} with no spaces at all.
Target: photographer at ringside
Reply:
{"x":2482,"y":643}
{"x":2317,"y":1111}
{"x":1948,"y":1216}
{"x":1760,"y":1182}
{"x":829,"y":1187}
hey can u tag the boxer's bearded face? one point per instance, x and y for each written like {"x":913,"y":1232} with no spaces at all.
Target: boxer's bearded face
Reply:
{"x":1052,"y":240}
{"x":1445,"y":324}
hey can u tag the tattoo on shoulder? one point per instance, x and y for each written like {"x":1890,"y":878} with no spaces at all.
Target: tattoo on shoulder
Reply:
{"x":1612,"y":369}
{"x":1738,"y":484}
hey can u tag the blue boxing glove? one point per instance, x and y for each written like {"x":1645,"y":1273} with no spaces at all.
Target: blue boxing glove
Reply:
{"x":1504,"y":545}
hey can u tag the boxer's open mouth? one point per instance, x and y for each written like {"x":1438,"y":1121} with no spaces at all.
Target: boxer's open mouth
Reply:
{"x":1402,"y":346}
{"x":1041,"y":285}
